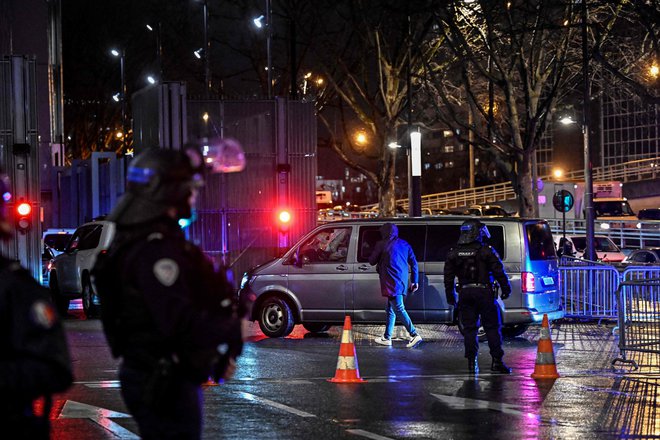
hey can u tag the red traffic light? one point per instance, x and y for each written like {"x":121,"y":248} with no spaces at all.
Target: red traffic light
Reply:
{"x":283,"y":218}
{"x":23,"y":216}
{"x":24,"y":208}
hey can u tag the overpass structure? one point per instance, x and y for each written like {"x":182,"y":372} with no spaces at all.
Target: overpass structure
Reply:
{"x":632,"y":171}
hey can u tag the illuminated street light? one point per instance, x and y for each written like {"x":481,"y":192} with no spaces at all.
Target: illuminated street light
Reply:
{"x":361,"y":138}
{"x":558,"y":173}
{"x":151,"y":79}
{"x":393,"y":145}
{"x":116,"y":97}
{"x":264,"y":21}
{"x":205,"y":116}
{"x":122,"y":95}
{"x":567,"y":120}
{"x":198,"y":53}
{"x":654,"y":70}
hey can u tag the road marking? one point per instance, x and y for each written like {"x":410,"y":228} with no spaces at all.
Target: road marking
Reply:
{"x":100,"y":416}
{"x":367,"y":434}
{"x":274,"y":404}
{"x":463,"y":403}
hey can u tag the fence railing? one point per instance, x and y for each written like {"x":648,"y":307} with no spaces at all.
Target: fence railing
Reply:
{"x":589,"y":289}
{"x":631,"y":171}
{"x":638,"y":234}
{"x":638,"y":302}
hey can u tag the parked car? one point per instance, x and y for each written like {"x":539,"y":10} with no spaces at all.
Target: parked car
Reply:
{"x":487,"y":210}
{"x":606,"y":250}
{"x":54,"y":242}
{"x":69,"y":276}
{"x":317,"y":289}
{"x":643,"y":256}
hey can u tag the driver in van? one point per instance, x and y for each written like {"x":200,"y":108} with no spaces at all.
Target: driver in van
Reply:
{"x":475,"y":264}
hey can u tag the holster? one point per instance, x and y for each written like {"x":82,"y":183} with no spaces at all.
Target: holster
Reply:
{"x":160,"y":384}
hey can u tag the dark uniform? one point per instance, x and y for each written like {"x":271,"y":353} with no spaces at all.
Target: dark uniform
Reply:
{"x":34,"y":358}
{"x":165,"y":310}
{"x":475,"y":264}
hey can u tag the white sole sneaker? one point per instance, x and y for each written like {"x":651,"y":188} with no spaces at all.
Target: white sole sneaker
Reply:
{"x":414,"y":341}
{"x":382,"y":341}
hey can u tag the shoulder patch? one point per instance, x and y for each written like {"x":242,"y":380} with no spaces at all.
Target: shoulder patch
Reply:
{"x":166,"y":271}
{"x":42,"y":314}
{"x":155,"y":236}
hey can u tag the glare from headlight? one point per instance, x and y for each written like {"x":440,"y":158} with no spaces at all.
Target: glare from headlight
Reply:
{"x":605,"y":226}
{"x":245,"y":280}
{"x":639,"y":226}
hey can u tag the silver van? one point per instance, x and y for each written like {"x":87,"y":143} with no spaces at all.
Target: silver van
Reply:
{"x":327,"y":275}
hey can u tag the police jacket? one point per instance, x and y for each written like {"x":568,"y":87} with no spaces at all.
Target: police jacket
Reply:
{"x":171,"y":302}
{"x":486,"y":262}
{"x":34,"y":357}
{"x":393,"y":257}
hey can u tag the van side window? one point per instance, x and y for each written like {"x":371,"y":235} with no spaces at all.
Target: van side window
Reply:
{"x":330,"y":244}
{"x":369,"y":235}
{"x":441,"y":239}
{"x":444,"y":237}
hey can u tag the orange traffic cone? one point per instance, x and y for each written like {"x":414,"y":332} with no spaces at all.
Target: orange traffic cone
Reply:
{"x":347,"y":365}
{"x":545,"y":367}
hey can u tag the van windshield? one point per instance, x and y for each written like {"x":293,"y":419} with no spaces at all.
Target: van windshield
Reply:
{"x":539,"y":240}
{"x":603,"y":244}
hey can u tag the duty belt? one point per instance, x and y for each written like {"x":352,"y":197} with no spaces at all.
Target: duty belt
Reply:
{"x":475,"y":285}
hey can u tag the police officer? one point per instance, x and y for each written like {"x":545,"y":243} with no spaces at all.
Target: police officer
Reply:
{"x":165,"y":310}
{"x":34,"y":358}
{"x":475,"y":264}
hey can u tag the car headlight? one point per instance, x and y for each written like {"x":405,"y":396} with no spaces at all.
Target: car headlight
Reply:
{"x":245,"y":280}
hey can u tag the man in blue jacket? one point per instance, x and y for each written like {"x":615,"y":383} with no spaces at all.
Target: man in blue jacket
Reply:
{"x":393,"y":257}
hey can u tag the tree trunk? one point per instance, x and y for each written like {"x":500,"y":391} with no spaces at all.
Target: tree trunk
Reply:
{"x":527,"y":202}
{"x":386,"y":190}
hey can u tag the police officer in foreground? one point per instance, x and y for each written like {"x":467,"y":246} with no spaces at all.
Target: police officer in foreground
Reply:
{"x":165,"y":310}
{"x":475,"y":264}
{"x":34,"y":358}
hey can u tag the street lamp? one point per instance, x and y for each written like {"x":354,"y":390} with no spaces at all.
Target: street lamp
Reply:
{"x":122,"y":95}
{"x":159,"y":46}
{"x":265,"y":21}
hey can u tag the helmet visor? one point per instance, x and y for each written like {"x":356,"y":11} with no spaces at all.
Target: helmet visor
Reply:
{"x":223,"y":155}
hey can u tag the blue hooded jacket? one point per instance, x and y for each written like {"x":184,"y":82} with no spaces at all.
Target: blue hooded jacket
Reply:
{"x":393,"y":256}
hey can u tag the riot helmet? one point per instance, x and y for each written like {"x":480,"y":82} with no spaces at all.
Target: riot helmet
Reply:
{"x":5,"y":197}
{"x":162,"y":182}
{"x":473,"y":230}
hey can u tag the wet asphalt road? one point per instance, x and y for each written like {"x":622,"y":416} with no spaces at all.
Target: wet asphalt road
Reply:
{"x":281,"y":391}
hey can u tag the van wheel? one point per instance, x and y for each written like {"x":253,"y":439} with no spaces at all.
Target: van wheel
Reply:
{"x":90,"y":309}
{"x":481,"y":333}
{"x":316,"y":327}
{"x":61,"y":303}
{"x":511,"y":331}
{"x":275,"y":318}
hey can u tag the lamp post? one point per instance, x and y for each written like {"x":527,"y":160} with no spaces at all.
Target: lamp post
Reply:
{"x":121,"y":55}
{"x":258,"y":22}
{"x":588,"y":183}
{"x":159,"y":47}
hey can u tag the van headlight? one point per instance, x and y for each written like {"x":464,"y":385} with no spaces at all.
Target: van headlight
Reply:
{"x":246,"y":280}
{"x":605,"y":226}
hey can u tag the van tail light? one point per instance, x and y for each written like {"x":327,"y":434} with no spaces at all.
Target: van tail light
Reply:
{"x":528,"y":282}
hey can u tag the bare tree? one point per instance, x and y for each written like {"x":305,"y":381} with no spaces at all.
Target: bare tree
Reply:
{"x":366,"y":50}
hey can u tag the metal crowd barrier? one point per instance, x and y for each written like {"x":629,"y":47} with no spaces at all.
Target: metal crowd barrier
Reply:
{"x":588,"y":288}
{"x":638,"y":303}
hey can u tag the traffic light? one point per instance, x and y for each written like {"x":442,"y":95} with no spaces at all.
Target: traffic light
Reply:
{"x":283,"y":220}
{"x":23,"y":216}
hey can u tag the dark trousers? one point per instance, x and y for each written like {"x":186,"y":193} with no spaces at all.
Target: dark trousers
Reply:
{"x":177,"y":414}
{"x":478,"y":304}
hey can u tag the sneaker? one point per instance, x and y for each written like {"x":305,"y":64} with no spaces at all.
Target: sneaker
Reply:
{"x":414,"y":341}
{"x":382,"y":341}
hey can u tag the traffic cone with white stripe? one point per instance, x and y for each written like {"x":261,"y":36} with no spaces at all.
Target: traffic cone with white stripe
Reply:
{"x":347,"y":365}
{"x":545,"y":367}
